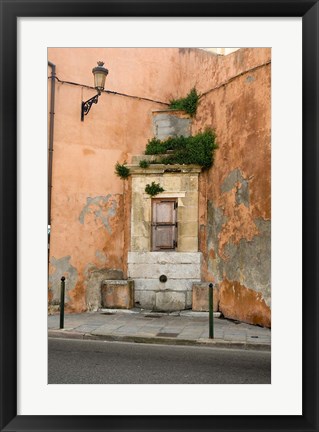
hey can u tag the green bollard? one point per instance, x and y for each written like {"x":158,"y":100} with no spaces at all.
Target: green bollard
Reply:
{"x":211,"y":310}
{"x":62,"y":302}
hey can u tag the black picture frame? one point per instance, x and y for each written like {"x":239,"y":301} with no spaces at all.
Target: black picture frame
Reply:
{"x":10,"y":11}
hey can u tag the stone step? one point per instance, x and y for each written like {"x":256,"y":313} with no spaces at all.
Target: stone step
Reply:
{"x":137,"y":158}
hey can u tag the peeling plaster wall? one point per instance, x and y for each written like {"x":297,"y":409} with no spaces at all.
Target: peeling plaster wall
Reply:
{"x":235,"y":230}
{"x":90,"y":227}
{"x":90,"y":231}
{"x":246,"y":262}
{"x":62,"y":267}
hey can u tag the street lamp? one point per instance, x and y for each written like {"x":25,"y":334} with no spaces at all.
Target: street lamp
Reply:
{"x":100,"y":74}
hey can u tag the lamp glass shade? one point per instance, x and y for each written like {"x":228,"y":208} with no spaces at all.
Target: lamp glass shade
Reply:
{"x":100,"y":74}
{"x":99,"y":80}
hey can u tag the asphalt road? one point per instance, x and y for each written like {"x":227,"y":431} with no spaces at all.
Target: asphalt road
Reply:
{"x":101,"y":362}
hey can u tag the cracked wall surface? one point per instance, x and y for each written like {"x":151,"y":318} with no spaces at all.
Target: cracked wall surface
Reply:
{"x":235,"y":230}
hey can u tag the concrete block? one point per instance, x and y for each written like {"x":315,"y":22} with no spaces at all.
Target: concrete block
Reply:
{"x":171,"y":284}
{"x":176,"y":122}
{"x":200,"y":297}
{"x":148,"y":285}
{"x":172,"y":271}
{"x":145,"y":299}
{"x":118,"y":294}
{"x":165,"y":132}
{"x":170,"y":301}
{"x":164,"y":258}
{"x":163,"y":122}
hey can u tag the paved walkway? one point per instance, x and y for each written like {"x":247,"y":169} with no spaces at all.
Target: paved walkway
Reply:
{"x":178,"y":328}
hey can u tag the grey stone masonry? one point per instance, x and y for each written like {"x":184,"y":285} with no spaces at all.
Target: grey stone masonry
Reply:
{"x":170,"y":124}
{"x":181,"y":269}
{"x":164,"y":258}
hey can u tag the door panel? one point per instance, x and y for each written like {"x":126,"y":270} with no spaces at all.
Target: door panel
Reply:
{"x":164,"y":212}
{"x":164,"y":224}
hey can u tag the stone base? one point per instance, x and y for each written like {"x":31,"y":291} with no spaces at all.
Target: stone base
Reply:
{"x":181,"y":269}
{"x":170,"y":301}
{"x":166,"y":301}
{"x":117,"y":294}
{"x":200,"y":297}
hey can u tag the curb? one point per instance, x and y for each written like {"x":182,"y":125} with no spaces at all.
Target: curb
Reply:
{"x":210,"y":343}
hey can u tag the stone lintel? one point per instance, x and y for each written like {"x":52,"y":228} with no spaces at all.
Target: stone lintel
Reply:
{"x":174,"y":112}
{"x":167,"y":195}
{"x":136,"y":170}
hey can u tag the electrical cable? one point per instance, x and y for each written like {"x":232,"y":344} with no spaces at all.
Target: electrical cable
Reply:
{"x":160,"y":102}
{"x":109,"y":91}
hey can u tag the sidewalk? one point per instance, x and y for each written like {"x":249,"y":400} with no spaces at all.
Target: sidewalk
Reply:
{"x":142,"y":326}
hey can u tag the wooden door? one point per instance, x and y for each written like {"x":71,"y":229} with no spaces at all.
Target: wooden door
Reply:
{"x":164,"y":224}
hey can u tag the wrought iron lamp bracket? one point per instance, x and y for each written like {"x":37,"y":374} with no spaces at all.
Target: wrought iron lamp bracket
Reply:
{"x":86,"y":106}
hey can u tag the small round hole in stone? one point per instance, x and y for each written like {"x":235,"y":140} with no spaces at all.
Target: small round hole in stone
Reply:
{"x":163,"y":278}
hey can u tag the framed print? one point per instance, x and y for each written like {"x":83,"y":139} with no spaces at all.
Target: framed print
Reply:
{"x":29,"y":31}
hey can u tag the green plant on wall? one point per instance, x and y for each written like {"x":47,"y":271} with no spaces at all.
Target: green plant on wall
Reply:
{"x":121,"y":170}
{"x":188,"y":104}
{"x":153,"y":189}
{"x":156,"y":146}
{"x":197,"y":149}
{"x":144,"y":163}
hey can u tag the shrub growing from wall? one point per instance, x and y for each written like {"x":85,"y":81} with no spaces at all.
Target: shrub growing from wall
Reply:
{"x":198,"y":149}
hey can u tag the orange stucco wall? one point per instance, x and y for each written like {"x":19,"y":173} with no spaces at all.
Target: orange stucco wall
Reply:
{"x":91,"y":205}
{"x":236,"y":193}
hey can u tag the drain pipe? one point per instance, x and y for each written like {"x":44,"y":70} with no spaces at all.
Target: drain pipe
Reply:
{"x":51,"y":133}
